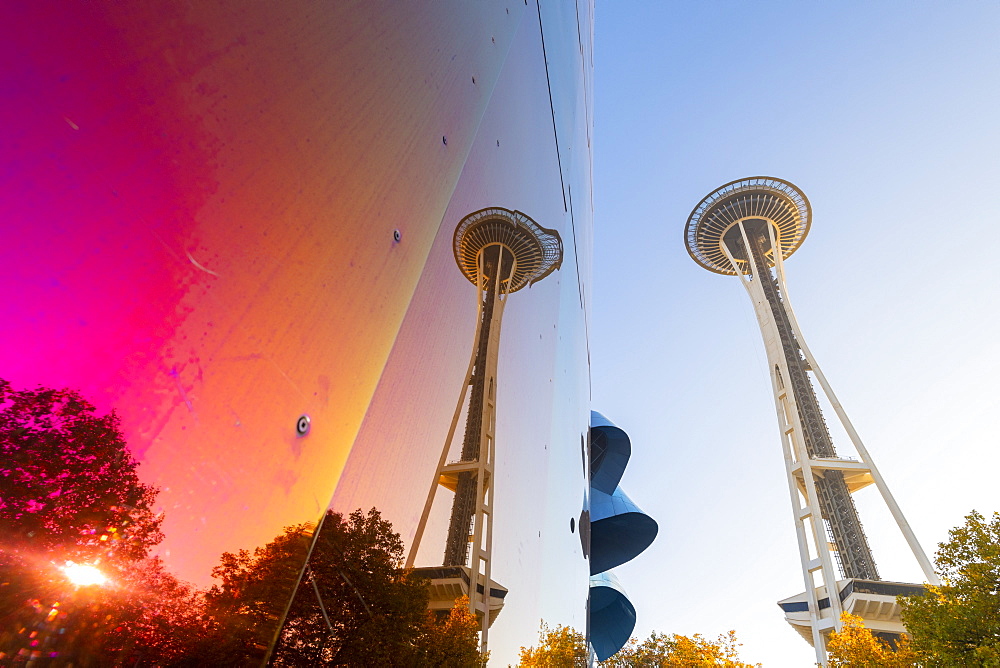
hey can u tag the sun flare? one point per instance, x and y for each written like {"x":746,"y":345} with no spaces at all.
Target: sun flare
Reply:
{"x":83,"y":574}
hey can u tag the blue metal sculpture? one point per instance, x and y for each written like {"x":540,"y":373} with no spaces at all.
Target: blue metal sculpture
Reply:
{"x":612,"y":617}
{"x":610,"y":449}
{"x":619,"y":531}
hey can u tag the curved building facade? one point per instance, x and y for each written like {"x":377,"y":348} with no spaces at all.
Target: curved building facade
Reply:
{"x":233,"y":227}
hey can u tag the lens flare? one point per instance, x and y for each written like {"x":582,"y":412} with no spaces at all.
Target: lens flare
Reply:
{"x":83,"y":574}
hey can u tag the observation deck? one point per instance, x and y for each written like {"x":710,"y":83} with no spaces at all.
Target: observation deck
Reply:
{"x":872,"y":600}
{"x":537,"y":251}
{"x":448,"y":583}
{"x":756,"y":198}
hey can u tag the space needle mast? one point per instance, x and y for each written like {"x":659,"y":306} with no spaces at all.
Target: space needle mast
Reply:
{"x":747,"y":228}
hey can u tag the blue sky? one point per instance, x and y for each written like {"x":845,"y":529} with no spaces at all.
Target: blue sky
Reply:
{"x":886,"y":116}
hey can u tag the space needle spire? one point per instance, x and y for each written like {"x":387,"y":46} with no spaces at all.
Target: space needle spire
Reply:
{"x":747,"y":228}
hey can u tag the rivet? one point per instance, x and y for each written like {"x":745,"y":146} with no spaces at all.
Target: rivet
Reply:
{"x":302,"y":425}
{"x":397,"y":235}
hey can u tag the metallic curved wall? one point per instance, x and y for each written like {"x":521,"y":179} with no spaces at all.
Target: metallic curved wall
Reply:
{"x":199,"y":204}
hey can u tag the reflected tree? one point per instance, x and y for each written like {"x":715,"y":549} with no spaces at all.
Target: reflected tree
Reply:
{"x":68,"y":483}
{"x":451,"y":640}
{"x":69,"y":492}
{"x":354,"y":604}
{"x":143,"y":616}
{"x":660,"y":649}
{"x":371,"y":611}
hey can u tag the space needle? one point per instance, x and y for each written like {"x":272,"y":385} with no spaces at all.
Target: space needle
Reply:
{"x":748,"y":228}
{"x":500,"y":252}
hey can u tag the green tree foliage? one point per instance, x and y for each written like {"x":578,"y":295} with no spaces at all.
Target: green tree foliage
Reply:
{"x":564,"y":647}
{"x":958,"y":623}
{"x":68,"y":483}
{"x":854,"y":646}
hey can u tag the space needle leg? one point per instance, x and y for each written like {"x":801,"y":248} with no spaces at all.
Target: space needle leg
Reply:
{"x":425,"y":514}
{"x":890,"y":501}
{"x":790,"y":429}
{"x":791,"y":423}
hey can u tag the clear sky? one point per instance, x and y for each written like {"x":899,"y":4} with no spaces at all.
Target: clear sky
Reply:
{"x":887,"y":116}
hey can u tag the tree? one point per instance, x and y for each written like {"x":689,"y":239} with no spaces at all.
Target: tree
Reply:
{"x":854,"y":646}
{"x":68,"y":483}
{"x":369,"y":610}
{"x":246,"y":607}
{"x":155,"y":618}
{"x":561,"y":647}
{"x":144,"y":616}
{"x":373,"y":608}
{"x":958,"y":623}
{"x":564,"y":647}
{"x":452,"y":640}
{"x":669,"y":651}
{"x":69,"y":491}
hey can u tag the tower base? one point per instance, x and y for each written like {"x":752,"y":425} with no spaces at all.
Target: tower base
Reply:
{"x":448,"y":583}
{"x":872,"y":600}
